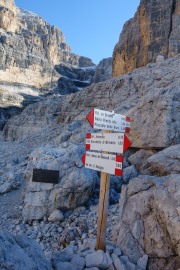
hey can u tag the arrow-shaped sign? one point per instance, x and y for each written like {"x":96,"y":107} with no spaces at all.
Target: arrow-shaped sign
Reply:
{"x":108,"y":142}
{"x":107,"y":163}
{"x":99,"y":119}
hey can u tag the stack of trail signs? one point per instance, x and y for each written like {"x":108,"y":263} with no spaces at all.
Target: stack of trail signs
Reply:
{"x":105,"y":154}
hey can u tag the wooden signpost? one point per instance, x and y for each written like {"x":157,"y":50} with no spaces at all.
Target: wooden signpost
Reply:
{"x":103,"y":161}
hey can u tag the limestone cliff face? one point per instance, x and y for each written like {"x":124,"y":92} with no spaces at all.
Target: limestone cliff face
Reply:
{"x":30,"y":48}
{"x":8,"y":4}
{"x":30,"y":52}
{"x":153,"y":31}
{"x":8,"y":12}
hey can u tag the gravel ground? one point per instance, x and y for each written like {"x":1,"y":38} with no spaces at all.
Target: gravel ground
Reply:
{"x":52,"y":236}
{"x":10,"y":208}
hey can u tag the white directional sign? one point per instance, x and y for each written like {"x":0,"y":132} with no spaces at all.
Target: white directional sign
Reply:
{"x":108,"y":142}
{"x":99,"y":119}
{"x":107,"y":163}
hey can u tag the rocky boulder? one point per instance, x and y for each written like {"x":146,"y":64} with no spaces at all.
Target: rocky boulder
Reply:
{"x":20,"y":253}
{"x":166,"y":162}
{"x":140,"y":159}
{"x":75,"y":182}
{"x":149,"y":221}
{"x":153,"y":31}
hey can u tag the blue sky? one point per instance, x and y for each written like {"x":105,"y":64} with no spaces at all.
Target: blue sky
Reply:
{"x":90,"y":27}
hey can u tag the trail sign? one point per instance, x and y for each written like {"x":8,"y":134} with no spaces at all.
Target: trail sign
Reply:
{"x":100,"y":119}
{"x":102,"y":162}
{"x":111,"y":142}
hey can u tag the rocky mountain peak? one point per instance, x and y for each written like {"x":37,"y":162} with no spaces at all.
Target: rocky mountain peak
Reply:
{"x":153,"y":31}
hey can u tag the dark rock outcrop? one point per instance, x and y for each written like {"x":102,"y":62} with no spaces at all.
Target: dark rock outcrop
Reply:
{"x":73,"y":79}
{"x":153,"y":31}
{"x":103,"y":71}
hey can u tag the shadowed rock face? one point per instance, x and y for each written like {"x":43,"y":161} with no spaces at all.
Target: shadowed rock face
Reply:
{"x":153,"y":31}
{"x":103,"y":71}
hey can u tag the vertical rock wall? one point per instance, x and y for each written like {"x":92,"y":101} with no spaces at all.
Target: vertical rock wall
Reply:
{"x":30,"y":48}
{"x":153,"y":31}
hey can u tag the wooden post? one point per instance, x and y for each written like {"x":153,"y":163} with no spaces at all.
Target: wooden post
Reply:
{"x":103,"y":210}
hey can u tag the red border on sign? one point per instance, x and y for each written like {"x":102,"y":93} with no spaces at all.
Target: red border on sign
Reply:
{"x":88,"y":146}
{"x":88,"y":136}
{"x":90,"y":118}
{"x":119,"y":158}
{"x":127,"y":129}
{"x":128,"y":119}
{"x":118,"y":172}
{"x":83,"y":158}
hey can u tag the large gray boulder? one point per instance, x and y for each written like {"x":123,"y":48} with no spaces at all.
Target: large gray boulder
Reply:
{"x":21,"y":253}
{"x":149,"y":221}
{"x":75,"y":185}
{"x":139,"y":159}
{"x":166,"y":162}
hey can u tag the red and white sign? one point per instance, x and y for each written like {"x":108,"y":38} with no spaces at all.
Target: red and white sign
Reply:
{"x":99,"y":119}
{"x":108,"y":142}
{"x":107,"y":163}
